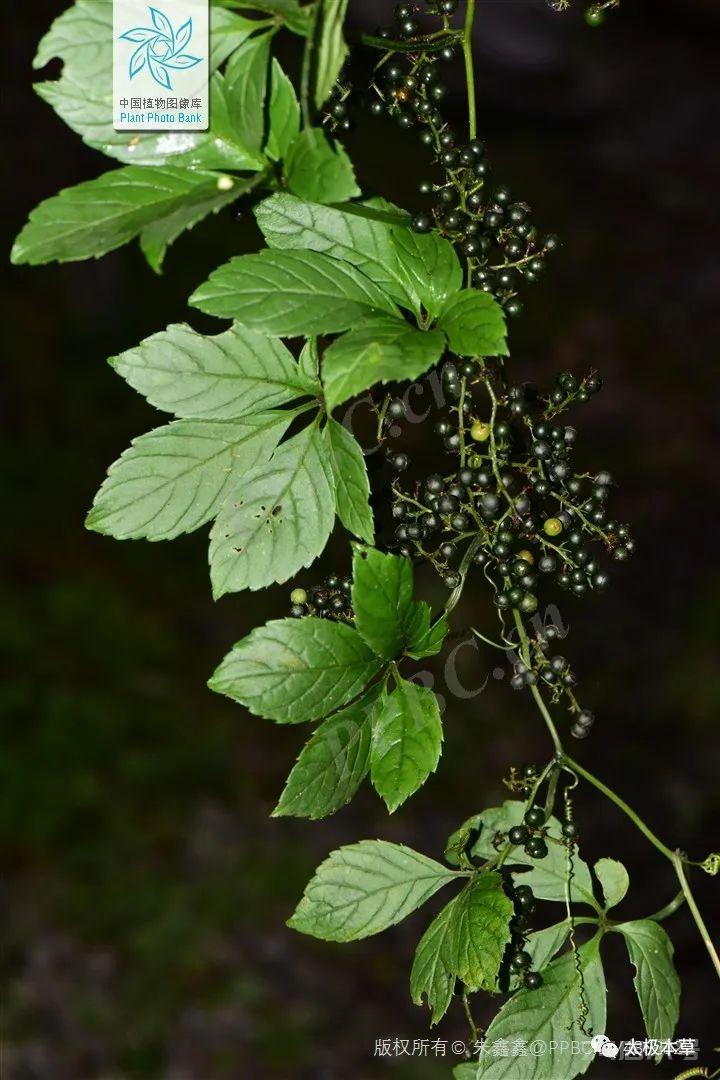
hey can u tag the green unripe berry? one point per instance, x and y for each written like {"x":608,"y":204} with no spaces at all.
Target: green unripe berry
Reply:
{"x":298,"y":596}
{"x":594,"y":16}
{"x":553,"y":527}
{"x":480,"y":432}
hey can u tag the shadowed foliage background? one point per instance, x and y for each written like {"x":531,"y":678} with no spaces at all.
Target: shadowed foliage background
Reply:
{"x":145,"y":886}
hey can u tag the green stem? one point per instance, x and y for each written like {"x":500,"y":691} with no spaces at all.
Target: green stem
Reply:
{"x":470,"y":68}
{"x":454,"y":597}
{"x":610,"y":794}
{"x":469,"y":1017}
{"x":430,"y":43}
{"x":677,"y":861}
{"x":306,"y":73}
{"x":669,"y":909}
{"x":544,"y":712}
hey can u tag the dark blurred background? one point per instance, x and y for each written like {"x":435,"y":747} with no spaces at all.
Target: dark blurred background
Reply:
{"x":145,"y":887}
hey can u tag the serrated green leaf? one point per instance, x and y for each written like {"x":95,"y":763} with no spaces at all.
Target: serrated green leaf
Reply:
{"x":291,"y":293}
{"x":333,"y":763}
{"x":82,"y":37}
{"x":382,"y":599}
{"x":429,"y":643}
{"x":351,"y":481}
{"x":365,"y":888}
{"x":309,"y":364}
{"x":551,"y":1016}
{"x":406,"y":744}
{"x":547,"y":876}
{"x":246,"y":85}
{"x":474,"y":324}
{"x":176,"y":478}
{"x":656,"y":981}
{"x":380,"y":350}
{"x":100,"y":215}
{"x":431,"y":975}
{"x":480,"y":931}
{"x":429,"y":265}
{"x":293,"y":670}
{"x":283,"y":113}
{"x":319,"y":170}
{"x":156,"y":238}
{"x":278,"y":520}
{"x":331,"y":48}
{"x":227,"y":33}
{"x":221,"y":377}
{"x":614,"y":879}
{"x":290,"y":223}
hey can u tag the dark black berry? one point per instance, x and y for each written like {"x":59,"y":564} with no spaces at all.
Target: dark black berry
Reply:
{"x":520,"y":961}
{"x":536,"y":847}
{"x":535,"y":817}
{"x":518,"y":835}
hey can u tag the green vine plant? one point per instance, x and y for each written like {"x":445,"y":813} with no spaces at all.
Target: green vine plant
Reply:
{"x":375,"y":302}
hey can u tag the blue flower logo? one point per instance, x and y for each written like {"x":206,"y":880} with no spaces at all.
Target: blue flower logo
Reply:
{"x":160,"y":48}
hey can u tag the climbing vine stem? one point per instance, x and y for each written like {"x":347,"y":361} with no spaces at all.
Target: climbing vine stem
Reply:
{"x":677,"y":861}
{"x":470,"y":67}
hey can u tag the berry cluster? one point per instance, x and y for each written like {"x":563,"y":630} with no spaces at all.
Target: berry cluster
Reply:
{"x":491,"y":229}
{"x":514,"y":494}
{"x":511,"y":503}
{"x":331,"y":600}
{"x":337,"y":116}
{"x":520,"y":959}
